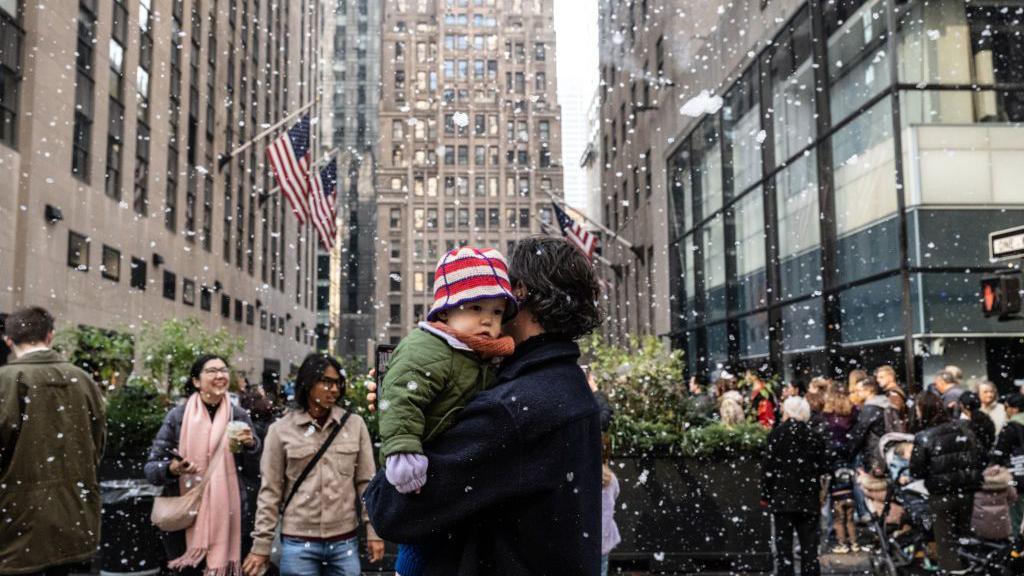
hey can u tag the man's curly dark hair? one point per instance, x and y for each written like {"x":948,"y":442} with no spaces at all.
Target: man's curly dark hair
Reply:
{"x":562,"y":291}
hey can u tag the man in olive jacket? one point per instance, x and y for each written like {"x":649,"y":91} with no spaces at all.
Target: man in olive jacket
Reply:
{"x":52,"y":431}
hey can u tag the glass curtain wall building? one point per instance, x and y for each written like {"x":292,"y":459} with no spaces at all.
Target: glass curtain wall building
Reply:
{"x":834,"y":213}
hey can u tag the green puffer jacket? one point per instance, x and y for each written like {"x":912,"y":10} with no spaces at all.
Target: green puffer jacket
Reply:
{"x":430,"y":377}
{"x":52,"y":434}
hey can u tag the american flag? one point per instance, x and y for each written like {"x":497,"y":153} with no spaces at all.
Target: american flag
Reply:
{"x":571,"y":229}
{"x":289,"y":157}
{"x":323,"y":186}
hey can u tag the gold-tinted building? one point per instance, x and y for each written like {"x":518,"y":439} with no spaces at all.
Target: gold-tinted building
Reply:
{"x":470,"y":143}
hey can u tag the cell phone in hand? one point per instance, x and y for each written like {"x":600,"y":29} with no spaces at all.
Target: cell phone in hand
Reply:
{"x":383,"y":356}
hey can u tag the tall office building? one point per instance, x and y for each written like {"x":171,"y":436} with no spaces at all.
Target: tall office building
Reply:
{"x":828,"y":172}
{"x":114,"y":212}
{"x":345,"y":277}
{"x":470,"y":144}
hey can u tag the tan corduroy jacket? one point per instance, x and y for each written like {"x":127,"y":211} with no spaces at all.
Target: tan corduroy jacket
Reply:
{"x":325,"y":504}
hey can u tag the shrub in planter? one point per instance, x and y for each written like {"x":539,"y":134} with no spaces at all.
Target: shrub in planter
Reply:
{"x":134,"y":412}
{"x":653,"y":414}
{"x":107,"y":355}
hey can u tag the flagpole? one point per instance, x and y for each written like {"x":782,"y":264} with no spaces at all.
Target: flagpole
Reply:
{"x":225,"y":159}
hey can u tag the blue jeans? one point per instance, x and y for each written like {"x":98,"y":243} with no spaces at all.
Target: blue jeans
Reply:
{"x":604,"y":565}
{"x":303,"y":558}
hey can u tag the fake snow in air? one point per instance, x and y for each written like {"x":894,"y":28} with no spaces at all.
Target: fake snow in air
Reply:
{"x":412,"y":386}
{"x":703,"y":103}
{"x":569,"y":477}
{"x":461,"y":119}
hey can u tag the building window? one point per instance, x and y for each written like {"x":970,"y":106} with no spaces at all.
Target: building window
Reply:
{"x":792,"y":85}
{"x":205,"y":298}
{"x":188,"y":291}
{"x":110,"y":267}
{"x":138,"y":274}
{"x":78,"y":252}
{"x":140,"y":195}
{"x":170,"y":285}
{"x":396,"y":313}
{"x":395,"y":220}
{"x":238,"y":310}
{"x":539,"y":51}
{"x":84,"y":94}
{"x":250,"y":314}
{"x":395,"y":281}
{"x":10,"y":70}
{"x":225,"y":306}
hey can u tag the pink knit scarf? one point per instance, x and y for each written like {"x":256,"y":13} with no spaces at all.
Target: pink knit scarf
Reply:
{"x":216,"y":535}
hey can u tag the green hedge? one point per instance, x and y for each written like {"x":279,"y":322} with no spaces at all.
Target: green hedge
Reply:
{"x":653,"y":414}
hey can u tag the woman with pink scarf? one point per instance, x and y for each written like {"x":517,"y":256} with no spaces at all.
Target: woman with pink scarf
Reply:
{"x":204,"y":436}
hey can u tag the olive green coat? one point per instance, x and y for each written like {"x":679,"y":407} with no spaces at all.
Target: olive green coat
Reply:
{"x":52,"y":431}
{"x":430,"y":378}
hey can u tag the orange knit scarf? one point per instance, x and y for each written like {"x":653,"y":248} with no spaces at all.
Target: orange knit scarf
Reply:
{"x":486,"y":347}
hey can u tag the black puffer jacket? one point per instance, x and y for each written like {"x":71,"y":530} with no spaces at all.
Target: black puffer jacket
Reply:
{"x":796,"y":460}
{"x":948,"y":458}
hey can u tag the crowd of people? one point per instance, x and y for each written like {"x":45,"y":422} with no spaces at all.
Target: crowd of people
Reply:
{"x":489,"y":429}
{"x":825,"y":472}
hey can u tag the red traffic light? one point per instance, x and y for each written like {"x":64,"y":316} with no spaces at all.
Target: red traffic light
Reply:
{"x":1000,"y":296}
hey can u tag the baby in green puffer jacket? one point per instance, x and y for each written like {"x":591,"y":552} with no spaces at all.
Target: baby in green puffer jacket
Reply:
{"x":440,"y":366}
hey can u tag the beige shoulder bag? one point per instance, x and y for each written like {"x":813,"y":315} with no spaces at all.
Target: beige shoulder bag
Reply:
{"x":174,"y":513}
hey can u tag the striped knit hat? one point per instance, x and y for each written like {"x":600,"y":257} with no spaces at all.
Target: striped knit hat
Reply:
{"x":466,"y":275}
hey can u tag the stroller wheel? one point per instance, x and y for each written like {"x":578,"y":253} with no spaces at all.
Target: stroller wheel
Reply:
{"x":882,"y":565}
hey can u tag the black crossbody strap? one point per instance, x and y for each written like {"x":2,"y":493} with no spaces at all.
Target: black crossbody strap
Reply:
{"x":312,"y":463}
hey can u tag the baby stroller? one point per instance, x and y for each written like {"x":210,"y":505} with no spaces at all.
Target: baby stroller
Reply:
{"x":902,"y":523}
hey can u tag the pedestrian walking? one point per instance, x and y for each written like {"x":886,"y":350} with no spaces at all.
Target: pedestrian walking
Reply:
{"x":886,"y":377}
{"x":763,"y":399}
{"x":317,"y":462}
{"x":52,"y":434}
{"x":877,"y":417}
{"x":450,"y":358}
{"x":610,"y":536}
{"x":990,"y":519}
{"x":207,"y":436}
{"x":990,"y":404}
{"x":729,"y":401}
{"x":946,"y":456}
{"x":1009,"y":452}
{"x":984,"y":429}
{"x":791,"y":487}
{"x":700,"y":399}
{"x":515,"y":482}
{"x":843,"y":508}
{"x":947,"y":387}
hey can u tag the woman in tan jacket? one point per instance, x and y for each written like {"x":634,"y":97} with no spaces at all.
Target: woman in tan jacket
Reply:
{"x":318,"y":515}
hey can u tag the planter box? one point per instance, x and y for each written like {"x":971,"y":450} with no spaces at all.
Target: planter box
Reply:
{"x":680,"y":514}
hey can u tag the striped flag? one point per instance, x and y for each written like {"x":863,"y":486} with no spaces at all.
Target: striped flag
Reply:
{"x":289,"y":157}
{"x":572,"y":230}
{"x":323,"y":186}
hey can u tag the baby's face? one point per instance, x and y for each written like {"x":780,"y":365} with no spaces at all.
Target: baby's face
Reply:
{"x":479,"y":318}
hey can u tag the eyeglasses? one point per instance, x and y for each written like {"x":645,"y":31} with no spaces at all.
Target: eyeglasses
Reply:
{"x":216,"y":371}
{"x":331,"y":382}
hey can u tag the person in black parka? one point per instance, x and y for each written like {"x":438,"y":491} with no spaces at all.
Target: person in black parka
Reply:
{"x":948,"y":458}
{"x":514,"y":486}
{"x":791,"y":486}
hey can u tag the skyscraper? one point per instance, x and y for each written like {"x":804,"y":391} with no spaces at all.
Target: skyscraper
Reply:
{"x":470,"y":143}
{"x":345,"y":277}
